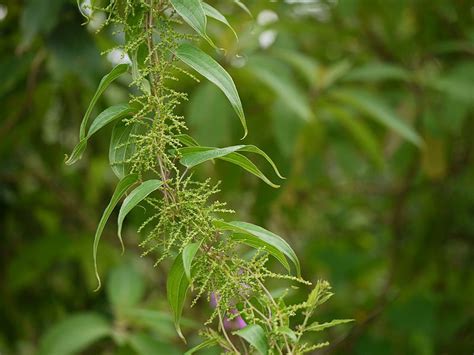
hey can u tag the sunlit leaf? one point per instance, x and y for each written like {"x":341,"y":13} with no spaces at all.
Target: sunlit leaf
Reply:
{"x":74,"y":334}
{"x":317,"y":327}
{"x":134,"y":198}
{"x":189,"y":252}
{"x":258,"y":243}
{"x":376,"y":109}
{"x":214,"y":72}
{"x":266,"y":236}
{"x":176,"y":289}
{"x":120,"y":190}
{"x":255,"y":336}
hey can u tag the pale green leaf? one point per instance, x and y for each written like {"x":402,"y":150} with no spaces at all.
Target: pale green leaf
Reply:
{"x":176,"y":288}
{"x":317,"y":327}
{"x":214,"y":72}
{"x":376,"y":109}
{"x":255,"y":242}
{"x":104,"y":118}
{"x":120,"y":190}
{"x":189,"y":252}
{"x":134,"y":198}
{"x":74,"y":334}
{"x":255,"y":336}
{"x":205,"y":344}
{"x":125,"y":287}
{"x":216,"y":15}
{"x":266,"y":236}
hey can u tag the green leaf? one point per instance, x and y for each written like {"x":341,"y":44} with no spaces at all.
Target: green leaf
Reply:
{"x":120,"y":190}
{"x":122,"y":146}
{"x":133,"y":199}
{"x":125,"y":287}
{"x":243,"y":7}
{"x":145,"y":344}
{"x":205,"y":344}
{"x":317,"y":327}
{"x":193,"y":13}
{"x":258,"y":243}
{"x":74,"y":334}
{"x":307,"y":66}
{"x":104,"y":83}
{"x":187,"y":140}
{"x":289,"y":333}
{"x":360,"y":133}
{"x":374,"y":108}
{"x":255,"y":336}
{"x":210,"y":69}
{"x":216,"y":15}
{"x":176,"y":288}
{"x":266,"y":236}
{"x":189,"y":252}
{"x":374,"y":72}
{"x":104,"y":118}
{"x":192,"y":156}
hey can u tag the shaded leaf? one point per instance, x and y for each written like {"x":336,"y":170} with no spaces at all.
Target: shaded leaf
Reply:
{"x":125,"y":287}
{"x":120,"y":190}
{"x":145,"y":344}
{"x":215,"y":14}
{"x":266,"y":236}
{"x":176,"y":288}
{"x":104,"y":118}
{"x":205,"y":344}
{"x":214,"y":72}
{"x":189,"y":252}
{"x":374,"y":72}
{"x":134,"y":198}
{"x":377,"y":110}
{"x":255,"y":336}
{"x":193,"y":13}
{"x":74,"y":334}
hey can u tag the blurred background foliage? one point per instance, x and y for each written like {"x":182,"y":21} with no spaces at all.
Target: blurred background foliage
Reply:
{"x":366,"y":105}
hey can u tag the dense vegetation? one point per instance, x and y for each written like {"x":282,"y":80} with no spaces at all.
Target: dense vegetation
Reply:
{"x":365,"y":106}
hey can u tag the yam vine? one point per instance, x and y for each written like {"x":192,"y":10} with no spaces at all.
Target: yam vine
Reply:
{"x":154,"y":158}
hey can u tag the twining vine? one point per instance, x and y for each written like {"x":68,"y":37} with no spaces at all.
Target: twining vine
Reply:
{"x":153,"y":158}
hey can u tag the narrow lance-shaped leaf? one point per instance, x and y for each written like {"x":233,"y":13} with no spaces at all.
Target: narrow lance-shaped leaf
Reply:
{"x":133,"y":199}
{"x":216,"y":15}
{"x":255,"y":336}
{"x":205,"y":344}
{"x":189,"y":252}
{"x":377,"y":110}
{"x":214,"y":72}
{"x":317,"y":327}
{"x":104,"y":83}
{"x":120,"y":190}
{"x":176,"y":288}
{"x":263,"y":234}
{"x":104,"y":118}
{"x":258,"y":243}
{"x":193,"y":13}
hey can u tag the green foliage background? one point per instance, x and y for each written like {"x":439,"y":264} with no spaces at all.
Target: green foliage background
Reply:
{"x":367,"y":107}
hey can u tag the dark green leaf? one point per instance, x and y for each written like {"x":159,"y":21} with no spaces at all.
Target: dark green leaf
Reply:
{"x":215,"y":14}
{"x":134,"y":198}
{"x":255,"y":336}
{"x":266,"y":236}
{"x":145,"y":344}
{"x":193,"y":13}
{"x":74,"y":334}
{"x":120,"y":190}
{"x":176,"y":288}
{"x":205,"y":344}
{"x":210,"y":69}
